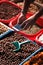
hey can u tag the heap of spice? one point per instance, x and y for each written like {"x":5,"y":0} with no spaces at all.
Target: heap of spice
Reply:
{"x":7,"y":11}
{"x":35,"y":60}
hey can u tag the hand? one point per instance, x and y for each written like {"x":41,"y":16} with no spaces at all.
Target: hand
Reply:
{"x":28,"y":23}
{"x":31,"y":20}
{"x":21,"y":19}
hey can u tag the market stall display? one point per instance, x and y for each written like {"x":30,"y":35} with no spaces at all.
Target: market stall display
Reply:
{"x":20,"y":46}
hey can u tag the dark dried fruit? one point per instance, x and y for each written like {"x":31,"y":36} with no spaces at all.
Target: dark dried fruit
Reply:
{"x":35,"y":60}
{"x":7,"y":11}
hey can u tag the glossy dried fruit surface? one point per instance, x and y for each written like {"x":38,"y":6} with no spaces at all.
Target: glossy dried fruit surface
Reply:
{"x":35,"y":60}
{"x":7,"y":11}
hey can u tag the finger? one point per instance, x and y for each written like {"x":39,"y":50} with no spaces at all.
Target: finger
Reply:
{"x":23,"y":23}
{"x":26,"y":26}
{"x":26,"y":20}
{"x":22,"y":19}
{"x":29,"y":25}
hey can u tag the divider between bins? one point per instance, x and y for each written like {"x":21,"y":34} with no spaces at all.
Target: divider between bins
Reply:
{"x":5,"y":34}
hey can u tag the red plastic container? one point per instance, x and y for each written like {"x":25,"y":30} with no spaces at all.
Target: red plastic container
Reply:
{"x":13,"y":4}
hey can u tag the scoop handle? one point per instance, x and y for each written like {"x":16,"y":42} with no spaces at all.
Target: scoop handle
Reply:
{"x":25,"y":42}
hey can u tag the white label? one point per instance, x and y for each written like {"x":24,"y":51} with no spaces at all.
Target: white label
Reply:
{"x":41,"y":38}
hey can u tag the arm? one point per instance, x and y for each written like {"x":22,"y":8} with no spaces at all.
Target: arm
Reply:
{"x":26,"y":5}
{"x":24,"y":11}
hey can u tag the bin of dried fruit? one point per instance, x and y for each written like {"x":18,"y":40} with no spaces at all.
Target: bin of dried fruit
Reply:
{"x":37,"y":59}
{"x":8,"y":11}
{"x":3,"y":29}
{"x":15,"y":58}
